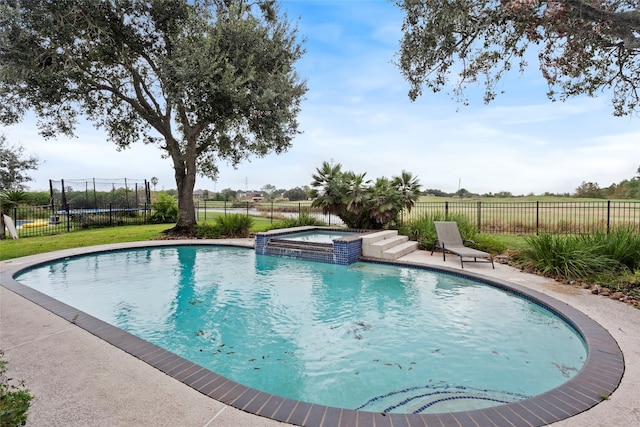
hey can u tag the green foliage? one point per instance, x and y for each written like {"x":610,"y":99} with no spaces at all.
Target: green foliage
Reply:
{"x":619,"y":281}
{"x":14,"y":399}
{"x":583,"y":47}
{"x":117,"y":197}
{"x":295,"y":194}
{"x":599,"y":256}
{"x":621,"y":245}
{"x":589,"y":190}
{"x":226,"y":225}
{"x":488,"y":243}
{"x":14,"y":165}
{"x":12,"y":198}
{"x":38,"y":198}
{"x":164,"y":210}
{"x":234,"y":225}
{"x":359,"y":203}
{"x":423,"y":230}
{"x":208,"y":231}
{"x":206,"y":81}
{"x":303,"y":219}
{"x":569,"y":257}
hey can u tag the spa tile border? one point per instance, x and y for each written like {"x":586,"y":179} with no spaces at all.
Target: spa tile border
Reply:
{"x":598,"y":379}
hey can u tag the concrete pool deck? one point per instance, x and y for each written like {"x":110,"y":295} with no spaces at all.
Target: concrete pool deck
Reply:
{"x":80,"y":380}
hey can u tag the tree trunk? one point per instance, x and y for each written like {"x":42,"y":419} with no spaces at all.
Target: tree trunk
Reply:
{"x":186,"y":208}
{"x":185,"y":173}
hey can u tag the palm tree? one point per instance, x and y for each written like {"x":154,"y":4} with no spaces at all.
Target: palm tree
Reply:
{"x":328,"y":188}
{"x":410,"y":188}
{"x":356,"y":193}
{"x":12,"y":198}
{"x":384,"y":201}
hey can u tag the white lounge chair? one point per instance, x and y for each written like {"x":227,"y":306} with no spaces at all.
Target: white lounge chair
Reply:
{"x":449,"y":240}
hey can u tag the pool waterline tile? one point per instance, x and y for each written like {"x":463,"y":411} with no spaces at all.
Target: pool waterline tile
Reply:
{"x":599,"y":376}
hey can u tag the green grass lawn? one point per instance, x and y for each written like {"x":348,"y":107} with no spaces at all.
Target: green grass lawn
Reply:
{"x":100,"y":236}
{"x":34,"y":245}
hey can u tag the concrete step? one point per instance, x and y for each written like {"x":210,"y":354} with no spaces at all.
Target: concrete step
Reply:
{"x":399,"y":250}
{"x":376,"y":249}
{"x":371,"y":238}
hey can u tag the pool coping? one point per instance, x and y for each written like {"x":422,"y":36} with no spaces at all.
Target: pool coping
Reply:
{"x":598,"y":378}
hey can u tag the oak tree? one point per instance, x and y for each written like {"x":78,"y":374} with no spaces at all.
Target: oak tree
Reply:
{"x":583,"y":46}
{"x":207,"y":81}
{"x":15,"y":166}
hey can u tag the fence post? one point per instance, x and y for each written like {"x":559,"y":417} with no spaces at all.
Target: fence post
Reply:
{"x":479,"y":219}
{"x":110,"y":215}
{"x":68,"y":218}
{"x":225,"y":208}
{"x":537,"y":217}
{"x":272,"y":212}
{"x":247,"y":208}
{"x":608,"y":215}
{"x":446,"y":209}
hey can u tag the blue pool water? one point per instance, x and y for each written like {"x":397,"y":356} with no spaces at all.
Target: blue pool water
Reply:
{"x":365,"y":336}
{"x":317,"y":236}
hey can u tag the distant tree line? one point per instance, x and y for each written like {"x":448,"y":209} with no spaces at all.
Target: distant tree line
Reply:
{"x":625,"y":189}
{"x":628,"y":189}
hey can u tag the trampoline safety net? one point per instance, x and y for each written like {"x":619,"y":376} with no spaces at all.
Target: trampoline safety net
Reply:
{"x":99,"y":193}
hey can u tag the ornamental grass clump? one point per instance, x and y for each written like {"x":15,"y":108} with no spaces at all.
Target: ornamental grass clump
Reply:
{"x":234,"y":225}
{"x":623,"y":246}
{"x":569,"y":257}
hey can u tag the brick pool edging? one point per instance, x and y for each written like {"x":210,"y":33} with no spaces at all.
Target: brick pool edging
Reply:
{"x":599,"y":377}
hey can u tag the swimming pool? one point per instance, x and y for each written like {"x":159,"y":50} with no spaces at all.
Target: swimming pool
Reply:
{"x":358,"y":331}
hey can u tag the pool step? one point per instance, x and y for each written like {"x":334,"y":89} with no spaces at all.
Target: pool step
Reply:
{"x":310,"y":251}
{"x":302,"y":246}
{"x":400,"y":250}
{"x":387,"y":245}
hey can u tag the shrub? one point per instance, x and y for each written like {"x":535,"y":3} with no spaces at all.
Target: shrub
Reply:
{"x":569,"y":257}
{"x":623,"y":246}
{"x":12,"y":198}
{"x":303,"y":219}
{"x":165,"y":209}
{"x":423,"y":230}
{"x":488,"y":243}
{"x":234,"y":225}
{"x":208,"y":231}
{"x":14,"y":399}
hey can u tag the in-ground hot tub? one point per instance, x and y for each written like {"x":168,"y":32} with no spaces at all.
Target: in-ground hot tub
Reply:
{"x":332,"y":245}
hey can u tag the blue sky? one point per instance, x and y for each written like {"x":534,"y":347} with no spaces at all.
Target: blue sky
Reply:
{"x":357,"y":113}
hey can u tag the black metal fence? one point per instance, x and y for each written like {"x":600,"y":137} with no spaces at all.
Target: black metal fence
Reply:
{"x":489,"y":217}
{"x":45,"y":220}
{"x":537,"y":217}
